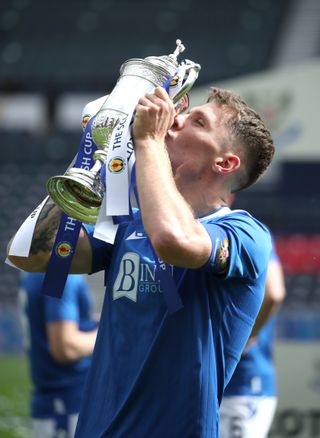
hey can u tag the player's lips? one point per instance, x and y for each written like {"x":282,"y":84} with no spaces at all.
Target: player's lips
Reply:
{"x":169,"y":138}
{"x":170,"y":134}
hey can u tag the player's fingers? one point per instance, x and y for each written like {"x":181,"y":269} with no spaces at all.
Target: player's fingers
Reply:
{"x":161,"y":93}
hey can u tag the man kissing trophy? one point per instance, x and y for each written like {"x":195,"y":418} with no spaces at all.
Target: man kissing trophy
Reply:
{"x":99,"y":185}
{"x":80,"y":192}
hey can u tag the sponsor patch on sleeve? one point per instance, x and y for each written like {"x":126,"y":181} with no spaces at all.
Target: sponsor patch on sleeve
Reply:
{"x":220,"y":257}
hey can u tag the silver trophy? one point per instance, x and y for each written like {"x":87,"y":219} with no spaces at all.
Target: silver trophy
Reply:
{"x":79,"y":192}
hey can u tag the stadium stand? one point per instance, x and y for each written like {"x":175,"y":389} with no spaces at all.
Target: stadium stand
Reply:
{"x":80,"y":45}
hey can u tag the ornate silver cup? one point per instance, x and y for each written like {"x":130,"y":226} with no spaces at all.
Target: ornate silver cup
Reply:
{"x":79,"y":192}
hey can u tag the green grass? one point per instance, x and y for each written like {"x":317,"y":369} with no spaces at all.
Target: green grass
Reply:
{"x":14,"y":397}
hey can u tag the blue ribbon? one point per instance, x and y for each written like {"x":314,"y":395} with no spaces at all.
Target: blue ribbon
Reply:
{"x":69,"y":228}
{"x":61,"y":257}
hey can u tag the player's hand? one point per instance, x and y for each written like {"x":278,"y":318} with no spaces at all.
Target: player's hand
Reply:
{"x":154,"y":115}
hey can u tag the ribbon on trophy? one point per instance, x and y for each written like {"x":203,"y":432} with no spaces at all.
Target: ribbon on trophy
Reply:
{"x":21,"y":243}
{"x":69,"y":228}
{"x":118,"y":181}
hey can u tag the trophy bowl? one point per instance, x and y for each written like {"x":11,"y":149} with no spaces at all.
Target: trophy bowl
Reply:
{"x":77,"y":193}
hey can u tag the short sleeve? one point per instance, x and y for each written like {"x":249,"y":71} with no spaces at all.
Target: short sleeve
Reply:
{"x":244,"y":245}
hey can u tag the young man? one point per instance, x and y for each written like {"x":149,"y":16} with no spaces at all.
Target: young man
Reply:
{"x":157,"y":373}
{"x":249,"y":400}
{"x":59,"y":338}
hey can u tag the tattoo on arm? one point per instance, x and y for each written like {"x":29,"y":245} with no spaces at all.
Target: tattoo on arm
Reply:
{"x":46,"y":228}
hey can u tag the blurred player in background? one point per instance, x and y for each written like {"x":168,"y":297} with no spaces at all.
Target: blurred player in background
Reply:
{"x":60,"y":334}
{"x":249,"y":401}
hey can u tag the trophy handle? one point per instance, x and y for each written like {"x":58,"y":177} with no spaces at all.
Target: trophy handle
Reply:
{"x":192,"y":72}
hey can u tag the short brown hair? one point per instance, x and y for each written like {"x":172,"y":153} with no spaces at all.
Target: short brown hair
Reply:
{"x":249,"y":131}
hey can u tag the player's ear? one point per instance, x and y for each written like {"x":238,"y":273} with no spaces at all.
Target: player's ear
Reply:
{"x":226,"y":164}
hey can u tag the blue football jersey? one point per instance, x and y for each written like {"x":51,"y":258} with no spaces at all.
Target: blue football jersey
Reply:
{"x":48,"y":376}
{"x":156,"y":373}
{"x":255,"y":373}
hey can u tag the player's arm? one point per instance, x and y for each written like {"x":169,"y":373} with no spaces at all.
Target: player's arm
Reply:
{"x":274,"y":295}
{"x":67,"y":343}
{"x":48,"y":222}
{"x":42,"y":244}
{"x":176,"y":235}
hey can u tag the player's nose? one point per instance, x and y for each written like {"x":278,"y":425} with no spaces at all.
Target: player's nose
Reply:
{"x":178,"y":122}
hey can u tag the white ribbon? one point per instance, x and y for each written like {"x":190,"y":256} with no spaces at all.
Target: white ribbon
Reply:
{"x":105,"y":229}
{"x":176,"y":82}
{"x":119,"y":163}
{"x":21,"y":243}
{"x":117,"y":179}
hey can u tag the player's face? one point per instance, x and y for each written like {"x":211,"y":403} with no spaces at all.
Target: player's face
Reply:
{"x":196,"y":138}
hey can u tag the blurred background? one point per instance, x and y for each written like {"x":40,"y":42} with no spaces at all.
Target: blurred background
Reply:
{"x":57,"y":56}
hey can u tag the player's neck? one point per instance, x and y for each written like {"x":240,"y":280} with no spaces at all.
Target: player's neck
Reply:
{"x":204,"y":202}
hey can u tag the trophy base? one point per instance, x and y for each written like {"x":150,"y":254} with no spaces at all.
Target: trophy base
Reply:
{"x":77,"y":193}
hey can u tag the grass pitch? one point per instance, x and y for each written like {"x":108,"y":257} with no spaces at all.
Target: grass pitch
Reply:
{"x":15,"y":388}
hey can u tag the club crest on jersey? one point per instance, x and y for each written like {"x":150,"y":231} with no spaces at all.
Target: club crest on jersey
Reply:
{"x":223,"y":255}
{"x":174,"y":81}
{"x":64,"y":249}
{"x":116,"y":165}
{"x":85,"y":120}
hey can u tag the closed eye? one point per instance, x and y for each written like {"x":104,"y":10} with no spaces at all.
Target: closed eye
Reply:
{"x":199,"y":122}
{"x":197,"y":118}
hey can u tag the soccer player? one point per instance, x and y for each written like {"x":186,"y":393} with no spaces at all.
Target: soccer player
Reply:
{"x":249,"y":401}
{"x":155,"y":371}
{"x":60,"y":336}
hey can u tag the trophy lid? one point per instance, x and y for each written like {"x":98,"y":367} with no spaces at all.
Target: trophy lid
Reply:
{"x":168,"y":61}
